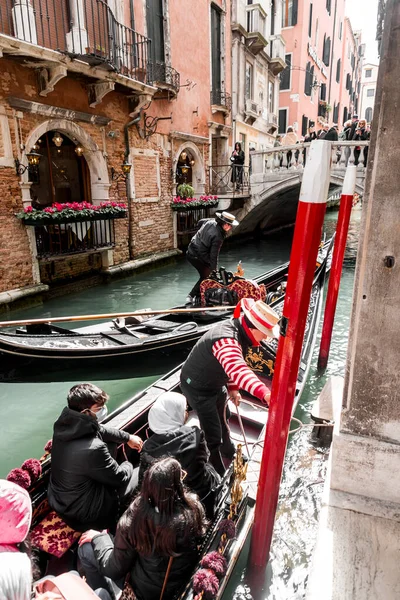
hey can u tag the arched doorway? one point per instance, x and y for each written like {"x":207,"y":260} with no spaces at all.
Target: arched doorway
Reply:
{"x":188,"y":167}
{"x":63,"y":173}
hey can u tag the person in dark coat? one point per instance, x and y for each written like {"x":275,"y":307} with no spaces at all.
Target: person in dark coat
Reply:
{"x":172,"y":437}
{"x":332,"y":134}
{"x":162,"y":527}
{"x":87,"y":484}
{"x":361,"y":134}
{"x":353,"y":127}
{"x":237,"y":160}
{"x":204,"y":248}
{"x":216,"y":370}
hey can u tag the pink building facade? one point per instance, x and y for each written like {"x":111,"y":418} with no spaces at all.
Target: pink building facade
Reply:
{"x":312,"y":87}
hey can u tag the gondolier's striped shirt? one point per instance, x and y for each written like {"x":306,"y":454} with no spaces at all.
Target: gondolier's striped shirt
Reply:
{"x":229,"y":354}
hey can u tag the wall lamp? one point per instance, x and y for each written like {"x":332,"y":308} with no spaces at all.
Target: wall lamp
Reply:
{"x":33,"y":163}
{"x":126,"y":169}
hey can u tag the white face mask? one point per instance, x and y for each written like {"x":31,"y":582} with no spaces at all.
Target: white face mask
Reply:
{"x":102,"y":413}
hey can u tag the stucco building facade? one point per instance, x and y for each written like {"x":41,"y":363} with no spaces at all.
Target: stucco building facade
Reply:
{"x":91,"y":85}
{"x":322,"y":56}
{"x":368,"y":91}
{"x":258,"y":56}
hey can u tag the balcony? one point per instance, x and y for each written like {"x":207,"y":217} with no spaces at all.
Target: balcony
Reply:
{"x":220,"y":101}
{"x":256,"y":26}
{"x":251,"y":111}
{"x":277,"y":54}
{"x":164,"y":77}
{"x":53,"y":32}
{"x":61,"y":239}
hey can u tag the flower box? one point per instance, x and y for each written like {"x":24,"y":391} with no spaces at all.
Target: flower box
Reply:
{"x":183,"y":204}
{"x":75,"y":212}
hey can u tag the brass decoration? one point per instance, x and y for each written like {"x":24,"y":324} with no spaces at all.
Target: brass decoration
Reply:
{"x":256,"y":361}
{"x":239,"y":270}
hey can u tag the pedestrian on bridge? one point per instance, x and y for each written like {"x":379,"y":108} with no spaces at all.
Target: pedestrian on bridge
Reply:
{"x":216,"y":370}
{"x":237,"y":160}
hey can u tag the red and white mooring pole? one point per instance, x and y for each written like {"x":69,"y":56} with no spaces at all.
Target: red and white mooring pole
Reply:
{"x":303,"y":257}
{"x":342,"y":228}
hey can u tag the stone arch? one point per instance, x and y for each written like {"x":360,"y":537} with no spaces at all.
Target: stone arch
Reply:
{"x":199,"y":175}
{"x":99,"y":179}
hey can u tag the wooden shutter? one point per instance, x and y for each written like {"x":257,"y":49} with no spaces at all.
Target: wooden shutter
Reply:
{"x":216,"y":49}
{"x":155,"y":29}
{"x":294,"y":13}
{"x":304,"y":125}
{"x":282,"y":120}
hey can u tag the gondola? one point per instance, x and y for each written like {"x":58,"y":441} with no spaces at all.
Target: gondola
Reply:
{"x":48,"y":346}
{"x":236,"y":500}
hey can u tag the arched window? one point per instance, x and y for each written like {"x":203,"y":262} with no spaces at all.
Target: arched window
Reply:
{"x":368,"y":114}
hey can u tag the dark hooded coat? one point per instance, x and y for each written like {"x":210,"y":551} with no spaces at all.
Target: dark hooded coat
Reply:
{"x":85,"y":480}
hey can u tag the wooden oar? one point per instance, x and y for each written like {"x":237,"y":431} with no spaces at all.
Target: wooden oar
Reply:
{"x":147,"y":313}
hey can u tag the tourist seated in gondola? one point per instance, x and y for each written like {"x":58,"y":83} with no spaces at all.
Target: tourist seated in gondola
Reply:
{"x":15,"y":519}
{"x":171,"y":436}
{"x":156,"y":541}
{"x":87,"y":486}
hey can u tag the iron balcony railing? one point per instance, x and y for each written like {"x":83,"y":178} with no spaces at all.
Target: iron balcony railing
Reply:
{"x":162,"y":73}
{"x":220,"y":98}
{"x":230,"y":180}
{"x":84,"y":29}
{"x":74,"y":238}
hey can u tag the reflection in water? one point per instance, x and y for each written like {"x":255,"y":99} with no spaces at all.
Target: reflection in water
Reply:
{"x":29,"y":410}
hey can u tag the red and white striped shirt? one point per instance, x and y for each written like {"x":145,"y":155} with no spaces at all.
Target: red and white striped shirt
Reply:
{"x":229,"y":354}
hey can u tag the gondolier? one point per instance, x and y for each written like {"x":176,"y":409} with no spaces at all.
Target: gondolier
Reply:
{"x":216,"y":370}
{"x":205,"y":245}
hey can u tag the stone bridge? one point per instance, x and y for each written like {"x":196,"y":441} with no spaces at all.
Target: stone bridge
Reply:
{"x":276,"y":176}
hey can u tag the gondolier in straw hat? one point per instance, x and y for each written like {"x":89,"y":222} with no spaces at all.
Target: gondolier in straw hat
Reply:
{"x":205,"y":245}
{"x":216,"y":370}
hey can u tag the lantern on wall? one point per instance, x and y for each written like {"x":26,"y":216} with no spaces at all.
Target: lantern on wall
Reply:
{"x":57,"y":139}
{"x":79,"y":150}
{"x":183,"y":156}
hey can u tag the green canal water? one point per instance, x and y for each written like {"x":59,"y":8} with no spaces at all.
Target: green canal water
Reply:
{"x":28,"y":410}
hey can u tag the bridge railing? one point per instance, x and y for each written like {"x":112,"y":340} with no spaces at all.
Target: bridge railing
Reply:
{"x":229,"y":180}
{"x":287,"y":158}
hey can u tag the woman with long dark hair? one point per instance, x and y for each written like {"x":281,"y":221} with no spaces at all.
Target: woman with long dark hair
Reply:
{"x":237,"y":160}
{"x":156,"y":540}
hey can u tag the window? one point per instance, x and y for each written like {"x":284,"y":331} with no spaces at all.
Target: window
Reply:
{"x":328,"y":6}
{"x":348,"y":81}
{"x":289,"y":13}
{"x":368,"y":114}
{"x":216,"y":78}
{"x":340,"y":30}
{"x":326,"y":52}
{"x":322,"y":92}
{"x":271,"y":94}
{"x":155,"y":30}
{"x":371,"y":93}
{"x":304,"y":125}
{"x":336,"y":113}
{"x":310,"y":22}
{"x":249,"y":82}
{"x":282,"y":120}
{"x":307,"y":80}
{"x":368,"y":72}
{"x":338,"y":69}
{"x":316,"y":34}
{"x":286,"y":74}
{"x":345,"y":115}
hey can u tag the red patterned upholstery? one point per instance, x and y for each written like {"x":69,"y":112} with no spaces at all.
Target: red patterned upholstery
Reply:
{"x":54,"y":536}
{"x":244,"y":288}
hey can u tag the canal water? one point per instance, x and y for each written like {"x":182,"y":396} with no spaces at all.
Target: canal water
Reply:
{"x":28,"y":410}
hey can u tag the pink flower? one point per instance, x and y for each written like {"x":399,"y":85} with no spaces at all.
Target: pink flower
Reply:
{"x":48,"y":209}
{"x":28,"y":209}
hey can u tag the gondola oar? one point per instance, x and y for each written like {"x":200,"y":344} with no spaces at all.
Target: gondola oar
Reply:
{"x":147,"y":313}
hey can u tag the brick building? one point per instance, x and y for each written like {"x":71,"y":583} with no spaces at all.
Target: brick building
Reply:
{"x":90,"y":85}
{"x":323,"y":57}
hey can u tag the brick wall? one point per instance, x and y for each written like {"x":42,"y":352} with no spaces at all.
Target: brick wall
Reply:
{"x":69,"y":268}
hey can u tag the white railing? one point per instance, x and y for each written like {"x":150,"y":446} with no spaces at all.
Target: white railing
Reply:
{"x":284,"y":158}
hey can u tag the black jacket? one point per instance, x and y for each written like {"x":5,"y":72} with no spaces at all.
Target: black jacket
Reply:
{"x":186,"y":444}
{"x":118,"y":557}
{"x":207,"y":242}
{"x":84,"y":477}
{"x":331,"y":135}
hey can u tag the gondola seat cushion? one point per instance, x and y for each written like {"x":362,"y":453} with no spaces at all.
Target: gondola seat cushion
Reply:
{"x":240,"y":288}
{"x":54,"y":536}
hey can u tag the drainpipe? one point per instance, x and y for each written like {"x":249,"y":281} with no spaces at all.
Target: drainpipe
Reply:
{"x":333,"y":47}
{"x":128,"y":182}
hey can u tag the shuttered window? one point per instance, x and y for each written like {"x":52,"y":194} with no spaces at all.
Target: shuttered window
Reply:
{"x":308,"y":80}
{"x":282,"y":120}
{"x":216,"y":49}
{"x":286,"y":74}
{"x":304,"y":125}
{"x":155,"y":30}
{"x":326,"y":51}
{"x":338,"y":69}
{"x":310,"y":21}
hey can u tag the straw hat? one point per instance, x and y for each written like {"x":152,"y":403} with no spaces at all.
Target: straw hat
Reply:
{"x":227,"y":218}
{"x":263,"y":317}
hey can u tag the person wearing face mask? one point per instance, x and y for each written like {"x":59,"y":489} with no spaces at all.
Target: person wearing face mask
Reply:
{"x":170,"y":435}
{"x":87,"y":486}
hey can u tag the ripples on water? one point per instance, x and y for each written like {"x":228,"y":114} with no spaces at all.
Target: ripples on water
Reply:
{"x":30,"y":409}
